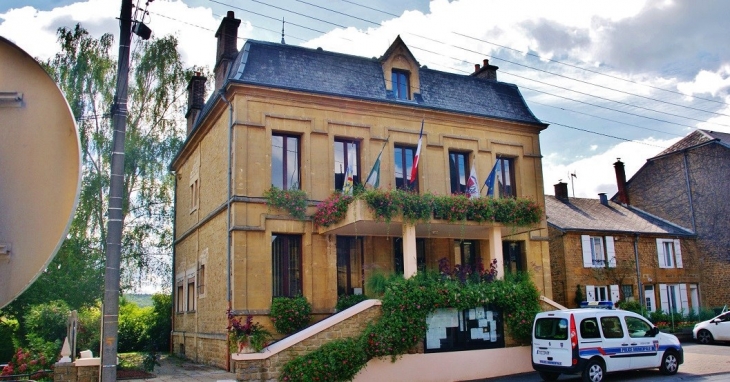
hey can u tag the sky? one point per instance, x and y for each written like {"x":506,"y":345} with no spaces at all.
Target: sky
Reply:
{"x":613,"y":79}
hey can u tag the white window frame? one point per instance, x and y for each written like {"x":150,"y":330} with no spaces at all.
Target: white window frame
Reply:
{"x":592,"y":259}
{"x":669,"y":260}
{"x":603,"y":293}
{"x":673,"y":297}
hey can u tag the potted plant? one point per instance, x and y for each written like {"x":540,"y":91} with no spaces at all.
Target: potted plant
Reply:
{"x":247,"y":336}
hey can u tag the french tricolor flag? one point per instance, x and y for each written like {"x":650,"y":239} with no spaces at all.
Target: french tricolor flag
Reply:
{"x":414,"y":170}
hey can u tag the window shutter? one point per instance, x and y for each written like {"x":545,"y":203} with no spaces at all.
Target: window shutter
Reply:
{"x":587,"y":259}
{"x":677,"y":253}
{"x":664,"y":297}
{"x":660,"y":253}
{"x":590,"y":293}
{"x":615,"y":294}
{"x":683,"y":301}
{"x":610,"y":253}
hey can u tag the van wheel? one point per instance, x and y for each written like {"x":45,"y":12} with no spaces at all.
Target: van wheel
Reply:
{"x":594,"y":371}
{"x":670,"y":363}
{"x":548,"y":376}
{"x":704,"y":337}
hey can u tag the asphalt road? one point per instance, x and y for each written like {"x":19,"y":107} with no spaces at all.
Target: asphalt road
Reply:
{"x":701,"y":363}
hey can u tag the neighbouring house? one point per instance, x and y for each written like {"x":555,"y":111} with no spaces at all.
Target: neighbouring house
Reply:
{"x":604,"y":251}
{"x":688,"y":184}
{"x":306,"y":119}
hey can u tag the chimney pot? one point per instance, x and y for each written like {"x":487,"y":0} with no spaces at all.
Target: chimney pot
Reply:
{"x":561,"y":191}
{"x":227,"y":50}
{"x":476,"y":68}
{"x":604,"y":199}
{"x":486,"y":62}
{"x":487,"y":72}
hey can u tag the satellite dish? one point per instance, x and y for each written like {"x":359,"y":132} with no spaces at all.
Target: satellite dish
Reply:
{"x":40,"y":170}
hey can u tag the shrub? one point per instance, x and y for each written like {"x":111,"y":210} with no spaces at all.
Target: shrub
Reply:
{"x":133,"y":326}
{"x":633,"y":306}
{"x":8,"y":330}
{"x":47,"y":321}
{"x":290,"y":314}
{"x":160,"y":324}
{"x":338,"y":360}
{"x":25,"y":361}
{"x":346,"y":301}
{"x":89,"y":329}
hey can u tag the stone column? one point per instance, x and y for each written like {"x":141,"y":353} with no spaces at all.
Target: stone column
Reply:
{"x":410,"y":265}
{"x":495,"y":249}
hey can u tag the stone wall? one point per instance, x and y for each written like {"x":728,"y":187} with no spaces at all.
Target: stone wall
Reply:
{"x":661,"y":188}
{"x":269,"y":369}
{"x":68,"y":372}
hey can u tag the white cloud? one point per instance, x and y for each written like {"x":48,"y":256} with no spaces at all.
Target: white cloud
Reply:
{"x":596,"y":173}
{"x":706,"y":82}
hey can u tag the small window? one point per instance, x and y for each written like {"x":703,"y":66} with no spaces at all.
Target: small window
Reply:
{"x":506,"y":177}
{"x":286,"y":253}
{"x":346,"y":156}
{"x":191,"y":294}
{"x":597,"y":254}
{"x":458,"y":165}
{"x":611,"y":327}
{"x":285,"y":162}
{"x":194,"y":195}
{"x":180,"y":296}
{"x":637,"y":327}
{"x":201,"y":280}
{"x":551,"y":328}
{"x":404,"y":167}
{"x":400,"y":84}
{"x":589,"y":328}
{"x":628,"y":292}
{"x":469,"y":252}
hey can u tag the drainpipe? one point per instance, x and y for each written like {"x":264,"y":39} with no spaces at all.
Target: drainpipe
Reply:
{"x":174,"y":238}
{"x":638,"y":272}
{"x":228,"y":210}
{"x":689,"y":192}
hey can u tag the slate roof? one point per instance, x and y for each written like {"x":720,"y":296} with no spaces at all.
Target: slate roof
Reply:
{"x":317,"y":71}
{"x":697,"y":138}
{"x":582,"y":214}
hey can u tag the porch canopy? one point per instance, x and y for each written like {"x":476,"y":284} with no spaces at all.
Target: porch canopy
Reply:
{"x":360,"y":221}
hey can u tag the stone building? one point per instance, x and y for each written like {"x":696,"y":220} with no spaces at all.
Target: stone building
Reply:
{"x":601,"y":250}
{"x":688,"y":184}
{"x":298,"y":118}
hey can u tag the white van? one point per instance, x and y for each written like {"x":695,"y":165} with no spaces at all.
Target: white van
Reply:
{"x":592,"y":342}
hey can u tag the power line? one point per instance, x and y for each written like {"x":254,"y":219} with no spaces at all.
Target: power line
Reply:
{"x":587,"y":70}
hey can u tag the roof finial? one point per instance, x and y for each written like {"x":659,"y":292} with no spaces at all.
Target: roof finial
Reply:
{"x":282,"y":30}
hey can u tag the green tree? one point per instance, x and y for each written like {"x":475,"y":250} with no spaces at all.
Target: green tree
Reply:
{"x":85,"y":71}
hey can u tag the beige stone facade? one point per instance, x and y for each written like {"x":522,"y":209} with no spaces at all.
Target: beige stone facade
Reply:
{"x":224,"y":230}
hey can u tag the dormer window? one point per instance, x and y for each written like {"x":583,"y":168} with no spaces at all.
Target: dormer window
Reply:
{"x":400,"y":84}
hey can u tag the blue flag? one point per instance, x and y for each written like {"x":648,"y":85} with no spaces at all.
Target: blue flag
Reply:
{"x":490,"y":181}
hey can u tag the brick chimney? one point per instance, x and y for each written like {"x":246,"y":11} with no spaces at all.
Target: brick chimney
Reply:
{"x":623,"y":193}
{"x":227,"y":51}
{"x":561,"y":191}
{"x":487,"y":72}
{"x":196,"y":99}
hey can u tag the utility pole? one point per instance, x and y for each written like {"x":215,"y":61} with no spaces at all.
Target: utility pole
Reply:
{"x":110,"y":317}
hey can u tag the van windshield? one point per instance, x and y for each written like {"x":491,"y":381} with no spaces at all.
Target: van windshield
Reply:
{"x":551,"y":328}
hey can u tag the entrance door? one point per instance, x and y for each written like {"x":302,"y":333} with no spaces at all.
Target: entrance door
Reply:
{"x":349,"y":265}
{"x":514,"y":256}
